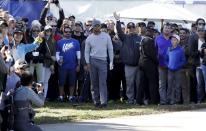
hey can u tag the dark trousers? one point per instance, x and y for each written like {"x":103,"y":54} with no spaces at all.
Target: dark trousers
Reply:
{"x":79,"y":81}
{"x":116,"y":77}
{"x":85,"y":92}
{"x":148,"y":87}
{"x":185,"y":85}
{"x":53,"y":91}
{"x":193,"y":84}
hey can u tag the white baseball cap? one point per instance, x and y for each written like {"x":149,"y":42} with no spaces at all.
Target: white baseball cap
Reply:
{"x":176,"y":36}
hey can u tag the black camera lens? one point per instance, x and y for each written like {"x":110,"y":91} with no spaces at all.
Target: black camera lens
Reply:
{"x":6,"y":47}
{"x":56,"y":2}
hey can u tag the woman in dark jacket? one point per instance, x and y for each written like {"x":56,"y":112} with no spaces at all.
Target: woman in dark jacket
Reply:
{"x":49,"y":56}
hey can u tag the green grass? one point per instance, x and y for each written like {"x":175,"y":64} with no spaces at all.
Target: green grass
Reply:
{"x":64,"y":112}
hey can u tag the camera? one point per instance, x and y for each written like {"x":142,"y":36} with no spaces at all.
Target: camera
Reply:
{"x":35,"y":86}
{"x":6,"y":47}
{"x":56,"y":2}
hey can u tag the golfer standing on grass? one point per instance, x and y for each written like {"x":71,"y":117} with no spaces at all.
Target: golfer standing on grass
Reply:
{"x":98,"y":45}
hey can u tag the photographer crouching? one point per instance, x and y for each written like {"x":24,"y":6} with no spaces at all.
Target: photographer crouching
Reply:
{"x":23,"y":98}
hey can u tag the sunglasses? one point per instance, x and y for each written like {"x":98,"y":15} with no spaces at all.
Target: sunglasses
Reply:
{"x":49,"y":30}
{"x":53,"y":26}
{"x":49,"y":18}
{"x":130,"y":27}
{"x":35,"y":30}
{"x":201,"y":23}
{"x":22,"y":69}
{"x":88,"y":25}
{"x":66,"y":32}
{"x":201,"y":30}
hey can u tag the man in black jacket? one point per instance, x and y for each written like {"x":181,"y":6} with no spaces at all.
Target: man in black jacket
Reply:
{"x":148,"y":63}
{"x":130,"y":56}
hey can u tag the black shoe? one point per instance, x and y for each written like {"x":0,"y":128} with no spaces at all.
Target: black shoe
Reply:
{"x":97,"y":105}
{"x":103,"y":106}
{"x":60,"y":99}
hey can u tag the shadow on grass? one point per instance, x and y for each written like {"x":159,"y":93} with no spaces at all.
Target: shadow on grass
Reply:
{"x":95,"y":126}
{"x":89,"y":126}
{"x":52,"y":120}
{"x":114,"y":106}
{"x":67,"y":113}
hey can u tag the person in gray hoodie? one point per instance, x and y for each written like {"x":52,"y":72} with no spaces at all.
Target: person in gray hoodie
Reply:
{"x":97,"y":46}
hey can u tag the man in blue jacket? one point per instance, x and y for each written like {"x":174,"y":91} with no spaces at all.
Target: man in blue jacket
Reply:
{"x":175,"y":61}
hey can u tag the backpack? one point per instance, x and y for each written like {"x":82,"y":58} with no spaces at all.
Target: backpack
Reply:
{"x":9,"y":110}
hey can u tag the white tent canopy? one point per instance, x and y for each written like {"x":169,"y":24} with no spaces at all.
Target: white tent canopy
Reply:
{"x":158,"y":11}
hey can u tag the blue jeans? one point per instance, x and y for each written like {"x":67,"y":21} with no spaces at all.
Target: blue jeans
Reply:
{"x":163,"y":72}
{"x":174,"y":87}
{"x":200,"y":83}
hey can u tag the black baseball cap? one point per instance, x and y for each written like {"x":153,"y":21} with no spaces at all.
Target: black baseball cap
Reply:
{"x":18,"y":30}
{"x":151,"y":23}
{"x":3,"y":22}
{"x":103,"y":25}
{"x":141,"y":24}
{"x":78,"y":23}
{"x":130,"y":24}
{"x":71,"y":16}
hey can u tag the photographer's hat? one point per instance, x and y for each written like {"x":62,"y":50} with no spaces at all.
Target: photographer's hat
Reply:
{"x":20,"y":63}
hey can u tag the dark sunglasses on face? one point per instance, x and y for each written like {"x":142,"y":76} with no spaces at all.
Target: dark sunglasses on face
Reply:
{"x":201,"y":23}
{"x":35,"y":30}
{"x":49,"y":18}
{"x":49,"y":30}
{"x":201,"y":30}
{"x":88,"y":25}
{"x":67,"y":32}
{"x":22,"y":69}
{"x":130,"y":27}
{"x":53,"y":26}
